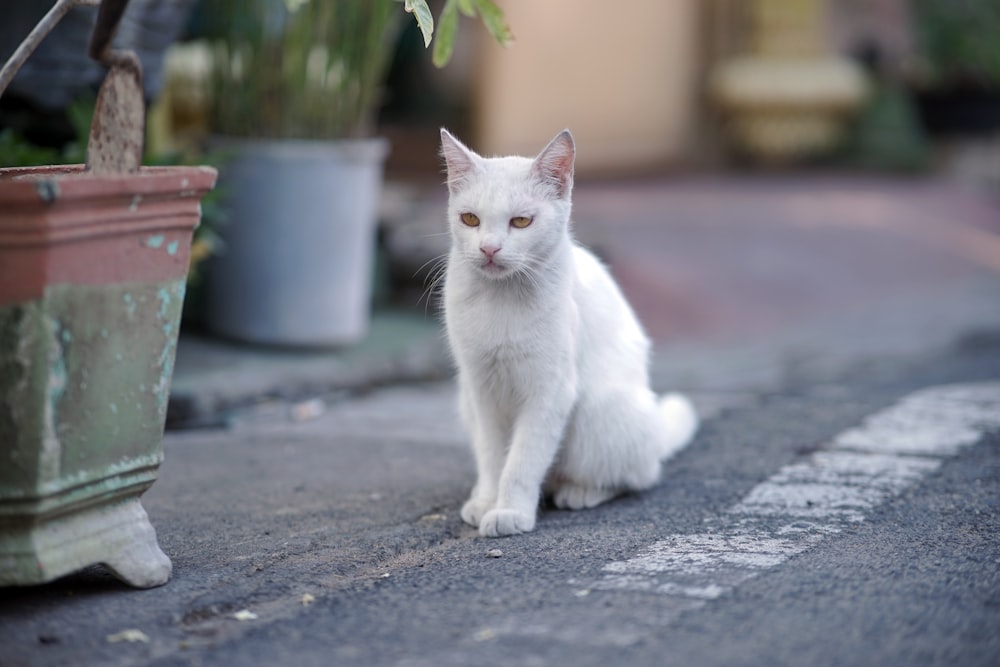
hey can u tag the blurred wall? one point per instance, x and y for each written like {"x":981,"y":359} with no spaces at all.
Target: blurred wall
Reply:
{"x":623,"y":76}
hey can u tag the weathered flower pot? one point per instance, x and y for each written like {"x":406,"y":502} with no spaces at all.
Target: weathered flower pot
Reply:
{"x":92,"y":277}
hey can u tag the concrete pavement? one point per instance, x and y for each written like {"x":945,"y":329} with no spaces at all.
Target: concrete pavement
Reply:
{"x":214,"y":379}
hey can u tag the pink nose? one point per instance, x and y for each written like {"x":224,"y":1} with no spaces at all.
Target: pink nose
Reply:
{"x":489,"y":250}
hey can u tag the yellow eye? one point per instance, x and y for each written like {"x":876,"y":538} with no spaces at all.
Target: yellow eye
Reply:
{"x":521,"y":221}
{"x":470,"y":219}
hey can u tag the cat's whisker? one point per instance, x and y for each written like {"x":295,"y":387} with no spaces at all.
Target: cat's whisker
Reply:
{"x":529,"y":274}
{"x":436,"y":275}
{"x":436,"y":261}
{"x":434,"y":281}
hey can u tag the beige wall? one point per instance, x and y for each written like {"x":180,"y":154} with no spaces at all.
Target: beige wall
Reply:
{"x":621,"y":75}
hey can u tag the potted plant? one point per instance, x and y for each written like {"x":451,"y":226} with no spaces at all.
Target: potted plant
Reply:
{"x":93,"y":260}
{"x":295,"y":87}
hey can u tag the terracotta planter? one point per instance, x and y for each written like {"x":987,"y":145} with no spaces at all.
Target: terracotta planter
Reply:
{"x":92,"y":277}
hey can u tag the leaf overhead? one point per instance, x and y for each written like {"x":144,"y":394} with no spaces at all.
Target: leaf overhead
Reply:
{"x":447,"y":24}
{"x":425,"y":20}
{"x":444,"y":45}
{"x":494,"y":21}
{"x":467,"y":7}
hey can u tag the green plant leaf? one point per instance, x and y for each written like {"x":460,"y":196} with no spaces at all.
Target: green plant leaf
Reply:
{"x":494,"y":21}
{"x":15,"y":151}
{"x":467,"y":7}
{"x":444,"y":45}
{"x":425,"y":19}
{"x":81,"y":114}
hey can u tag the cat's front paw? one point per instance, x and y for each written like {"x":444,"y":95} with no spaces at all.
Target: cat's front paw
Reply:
{"x":577,"y":496}
{"x":501,"y":522}
{"x":473,"y":510}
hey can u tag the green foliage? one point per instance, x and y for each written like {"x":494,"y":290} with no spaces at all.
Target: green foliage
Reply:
{"x":425,"y":20}
{"x":494,"y":21}
{"x":491,"y":15}
{"x":298,"y":68}
{"x":447,"y":29}
{"x":960,"y":39}
{"x":16,"y":151}
{"x":314,"y":68}
{"x":888,"y":136}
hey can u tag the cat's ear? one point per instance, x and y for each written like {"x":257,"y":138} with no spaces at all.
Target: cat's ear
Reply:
{"x":460,"y":162}
{"x":554,"y":165}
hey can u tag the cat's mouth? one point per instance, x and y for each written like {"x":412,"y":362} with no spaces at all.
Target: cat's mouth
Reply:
{"x":493,"y":268}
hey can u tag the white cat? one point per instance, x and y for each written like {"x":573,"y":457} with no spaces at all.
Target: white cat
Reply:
{"x":552,"y":362}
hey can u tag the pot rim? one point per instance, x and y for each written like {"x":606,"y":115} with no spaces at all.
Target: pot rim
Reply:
{"x":51,"y":185}
{"x":372,"y":149}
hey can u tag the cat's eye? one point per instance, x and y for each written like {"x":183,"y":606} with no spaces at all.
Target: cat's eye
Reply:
{"x":470,"y":219}
{"x":520,"y":221}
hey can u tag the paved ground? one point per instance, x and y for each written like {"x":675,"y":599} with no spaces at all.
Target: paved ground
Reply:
{"x":725,"y":260}
{"x":840,"y":505}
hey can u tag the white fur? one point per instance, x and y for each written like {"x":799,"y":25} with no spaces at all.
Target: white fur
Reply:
{"x":552,"y":362}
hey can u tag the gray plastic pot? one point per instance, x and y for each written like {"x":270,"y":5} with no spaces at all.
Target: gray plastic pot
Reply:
{"x":298,"y":250}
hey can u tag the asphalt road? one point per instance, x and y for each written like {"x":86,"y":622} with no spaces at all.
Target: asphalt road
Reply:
{"x":775,"y":538}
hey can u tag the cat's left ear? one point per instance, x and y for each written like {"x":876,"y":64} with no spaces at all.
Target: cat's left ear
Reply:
{"x":460,"y":162}
{"x":554,"y":165}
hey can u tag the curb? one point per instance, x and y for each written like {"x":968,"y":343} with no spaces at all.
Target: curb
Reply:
{"x":214,"y":379}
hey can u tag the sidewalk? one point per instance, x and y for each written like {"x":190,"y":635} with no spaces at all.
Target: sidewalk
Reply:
{"x":215,"y":378}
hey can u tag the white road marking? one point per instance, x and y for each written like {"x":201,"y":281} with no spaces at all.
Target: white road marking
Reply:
{"x":786,"y":515}
{"x":703,"y":566}
{"x":934,"y":422}
{"x":861,"y":468}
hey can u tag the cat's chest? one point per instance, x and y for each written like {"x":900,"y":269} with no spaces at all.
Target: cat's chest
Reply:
{"x":507,"y":355}
{"x":499,"y":324}
{"x":507,"y":330}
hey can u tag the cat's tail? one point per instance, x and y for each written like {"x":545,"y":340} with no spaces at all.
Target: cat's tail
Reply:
{"x":681,"y":421}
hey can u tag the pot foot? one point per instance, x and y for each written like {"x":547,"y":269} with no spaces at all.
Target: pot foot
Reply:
{"x":118,"y":536}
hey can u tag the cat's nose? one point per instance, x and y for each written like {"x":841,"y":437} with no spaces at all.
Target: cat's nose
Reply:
{"x":489,"y":250}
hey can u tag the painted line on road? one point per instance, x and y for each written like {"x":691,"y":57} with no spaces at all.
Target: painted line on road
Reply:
{"x":860,"y":469}
{"x":800,"y":506}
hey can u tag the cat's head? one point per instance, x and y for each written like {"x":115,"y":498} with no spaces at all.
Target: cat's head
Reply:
{"x":508,"y":214}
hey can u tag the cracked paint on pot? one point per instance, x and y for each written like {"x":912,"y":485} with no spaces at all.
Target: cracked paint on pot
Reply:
{"x":75,"y":418}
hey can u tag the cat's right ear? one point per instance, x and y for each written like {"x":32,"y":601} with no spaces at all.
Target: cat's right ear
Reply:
{"x":460,"y":162}
{"x":554,"y":165}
